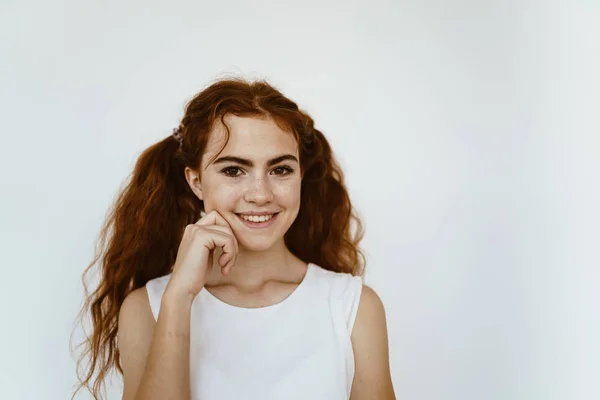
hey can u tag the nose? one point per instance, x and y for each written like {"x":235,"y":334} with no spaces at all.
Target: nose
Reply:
{"x":259,"y":192}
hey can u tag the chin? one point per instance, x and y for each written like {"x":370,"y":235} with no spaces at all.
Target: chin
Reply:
{"x":255,"y":245}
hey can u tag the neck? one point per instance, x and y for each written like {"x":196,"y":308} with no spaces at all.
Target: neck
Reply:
{"x":252,"y":269}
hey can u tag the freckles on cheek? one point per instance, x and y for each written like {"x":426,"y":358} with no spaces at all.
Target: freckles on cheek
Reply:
{"x":289,"y":191}
{"x":227,"y":191}
{"x":220,"y":194}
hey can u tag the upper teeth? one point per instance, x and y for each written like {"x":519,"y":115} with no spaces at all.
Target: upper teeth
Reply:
{"x":256,"y":218}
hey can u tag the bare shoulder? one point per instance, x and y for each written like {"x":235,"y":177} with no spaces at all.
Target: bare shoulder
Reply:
{"x":371,"y":302}
{"x":136,"y":322}
{"x":372,"y":377}
{"x":135,"y":307}
{"x":135,"y":318}
{"x":370,"y":317}
{"x":135,"y":329}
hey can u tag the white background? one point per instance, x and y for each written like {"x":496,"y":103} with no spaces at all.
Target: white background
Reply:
{"x":468,"y":131}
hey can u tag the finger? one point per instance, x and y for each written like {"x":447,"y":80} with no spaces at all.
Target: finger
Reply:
{"x":213,"y":218}
{"x":219,"y":228}
{"x":225,"y":230}
{"x":224,"y":258}
{"x":224,"y":261}
{"x":226,"y":270}
{"x":224,"y":240}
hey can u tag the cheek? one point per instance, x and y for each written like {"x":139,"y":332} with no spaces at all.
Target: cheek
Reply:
{"x":221,"y":195}
{"x":289,"y":192}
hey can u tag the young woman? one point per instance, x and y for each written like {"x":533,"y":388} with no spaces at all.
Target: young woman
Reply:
{"x":229,"y":267}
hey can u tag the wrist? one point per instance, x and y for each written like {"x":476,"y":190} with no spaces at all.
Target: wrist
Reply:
{"x":177,"y":296}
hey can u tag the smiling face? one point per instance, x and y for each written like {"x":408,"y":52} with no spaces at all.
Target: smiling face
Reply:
{"x":258,"y":172}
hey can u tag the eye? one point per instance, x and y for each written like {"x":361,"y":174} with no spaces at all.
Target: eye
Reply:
{"x":230,"y":172}
{"x":286,"y":170}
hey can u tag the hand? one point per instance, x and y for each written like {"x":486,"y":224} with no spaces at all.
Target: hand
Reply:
{"x":195,"y":254}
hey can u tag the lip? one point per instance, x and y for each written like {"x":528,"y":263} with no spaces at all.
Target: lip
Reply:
{"x":258,"y":225}
{"x":259,"y":213}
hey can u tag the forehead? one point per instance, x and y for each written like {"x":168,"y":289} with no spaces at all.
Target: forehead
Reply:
{"x":254,"y":138}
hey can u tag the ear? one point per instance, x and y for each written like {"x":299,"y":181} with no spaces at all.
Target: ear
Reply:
{"x":193,"y":179}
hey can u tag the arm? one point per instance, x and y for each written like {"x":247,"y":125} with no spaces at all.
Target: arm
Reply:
{"x":372,"y":378}
{"x":155,"y":356}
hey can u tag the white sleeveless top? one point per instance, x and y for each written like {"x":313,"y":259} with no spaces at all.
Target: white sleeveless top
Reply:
{"x":299,"y":348}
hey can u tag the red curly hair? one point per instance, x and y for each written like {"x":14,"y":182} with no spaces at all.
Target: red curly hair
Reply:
{"x":140,"y":237}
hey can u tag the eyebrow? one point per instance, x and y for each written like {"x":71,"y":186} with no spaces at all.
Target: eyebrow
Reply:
{"x":249,"y":163}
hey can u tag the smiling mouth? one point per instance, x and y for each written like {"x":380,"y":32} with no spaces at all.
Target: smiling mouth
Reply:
{"x":254,"y":221}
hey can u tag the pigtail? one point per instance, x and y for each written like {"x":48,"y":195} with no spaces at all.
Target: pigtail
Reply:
{"x":138,"y":242}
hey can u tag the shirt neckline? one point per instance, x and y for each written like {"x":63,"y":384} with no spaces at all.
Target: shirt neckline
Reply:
{"x":211,"y":297}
